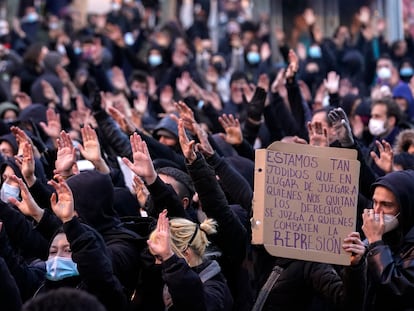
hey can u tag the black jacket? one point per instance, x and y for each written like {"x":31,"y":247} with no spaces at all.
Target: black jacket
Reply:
{"x":232,"y":236}
{"x":390,"y":260}
{"x":301,"y":281}
{"x":94,"y":265}
{"x":199,"y":288}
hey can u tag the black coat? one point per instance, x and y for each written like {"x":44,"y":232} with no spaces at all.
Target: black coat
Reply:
{"x":390,"y":260}
{"x":303,"y":281}
{"x":192,"y":289}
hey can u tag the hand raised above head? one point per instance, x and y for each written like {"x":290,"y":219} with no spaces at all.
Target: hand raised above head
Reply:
{"x":27,"y":205}
{"x":341,"y":125}
{"x":62,"y":201}
{"x":318,"y":135}
{"x":142,"y":163}
{"x":160,"y":245}
{"x":231,"y":126}
{"x":187,"y":146}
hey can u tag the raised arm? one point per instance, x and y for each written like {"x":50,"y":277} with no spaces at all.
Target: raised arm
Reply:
{"x":163,"y":195}
{"x":213,"y":201}
{"x":88,"y":250}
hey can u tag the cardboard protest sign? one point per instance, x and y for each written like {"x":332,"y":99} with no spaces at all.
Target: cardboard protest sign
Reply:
{"x":305,"y":201}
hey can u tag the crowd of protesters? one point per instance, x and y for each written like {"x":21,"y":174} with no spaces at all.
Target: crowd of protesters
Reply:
{"x":127,"y":157}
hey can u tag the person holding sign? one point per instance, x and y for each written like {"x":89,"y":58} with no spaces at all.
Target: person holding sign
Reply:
{"x":294,"y":284}
{"x":389,"y":228}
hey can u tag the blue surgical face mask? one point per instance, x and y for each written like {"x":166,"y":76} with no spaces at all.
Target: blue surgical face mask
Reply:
{"x":8,"y":191}
{"x":406,"y":72}
{"x":32,"y":17}
{"x":253,"y":58}
{"x":59,"y":268}
{"x":155,"y":60}
{"x":315,"y":52}
{"x":77,"y":50}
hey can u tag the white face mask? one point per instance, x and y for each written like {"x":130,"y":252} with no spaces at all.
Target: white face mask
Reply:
{"x":116,"y":6}
{"x":390,"y":221}
{"x":376,"y":127}
{"x":384,"y":73}
{"x":7,"y":191}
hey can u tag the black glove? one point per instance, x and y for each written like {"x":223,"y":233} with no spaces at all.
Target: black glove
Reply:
{"x":342,"y":127}
{"x":256,"y":106}
{"x":97,"y":101}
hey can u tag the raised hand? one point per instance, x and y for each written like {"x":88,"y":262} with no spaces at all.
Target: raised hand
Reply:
{"x":63,"y":75}
{"x":28,"y":164}
{"x":62,"y":200}
{"x":91,"y":149}
{"x":187,"y":146}
{"x":141,"y":191}
{"x":248,"y":91}
{"x":231,"y":125}
{"x":279,"y":82}
{"x":159,"y":244}
{"x":263,"y":82}
{"x":142,"y":165}
{"x":341,"y":126}
{"x":332,"y":82}
{"x":309,"y":17}
{"x":23,"y":100}
{"x":53,"y":126}
{"x":118,"y":79}
{"x":48,"y":92}
{"x":293,"y":66}
{"x":27,"y":205}
{"x":66,"y":155}
{"x":125,"y":123}
{"x":386,"y":156}
{"x":204,"y":145}
{"x":318,"y":135}
{"x":21,"y":138}
{"x":353,"y":245}
{"x":187,"y":115}
{"x":15,"y":86}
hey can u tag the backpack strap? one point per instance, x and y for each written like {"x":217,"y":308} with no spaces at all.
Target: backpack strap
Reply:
{"x":267,"y":287}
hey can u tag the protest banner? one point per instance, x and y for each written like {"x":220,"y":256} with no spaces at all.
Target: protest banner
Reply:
{"x":305,"y":201}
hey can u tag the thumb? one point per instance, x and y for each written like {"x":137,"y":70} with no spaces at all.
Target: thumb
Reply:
{"x":53,"y":201}
{"x":374,"y":156}
{"x":222,"y":136}
{"x":14,"y":201}
{"x":128,"y":163}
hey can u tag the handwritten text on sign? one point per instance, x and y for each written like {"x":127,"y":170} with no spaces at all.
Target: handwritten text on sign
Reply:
{"x":310,"y":202}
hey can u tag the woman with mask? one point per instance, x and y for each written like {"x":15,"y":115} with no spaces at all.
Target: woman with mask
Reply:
{"x":255,"y":63}
{"x":77,"y":254}
{"x":191,"y":282}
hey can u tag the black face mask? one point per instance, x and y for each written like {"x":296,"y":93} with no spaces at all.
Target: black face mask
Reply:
{"x":232,"y":14}
{"x":218,"y":66}
{"x":5,"y":39}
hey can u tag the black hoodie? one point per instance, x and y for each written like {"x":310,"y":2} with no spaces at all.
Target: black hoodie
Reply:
{"x":391,"y":260}
{"x":93,"y":194}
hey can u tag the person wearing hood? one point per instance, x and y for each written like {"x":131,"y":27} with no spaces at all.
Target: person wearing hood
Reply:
{"x":191,"y":282}
{"x":37,"y":91}
{"x":404,"y":98}
{"x":389,"y":229}
{"x":77,"y":254}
